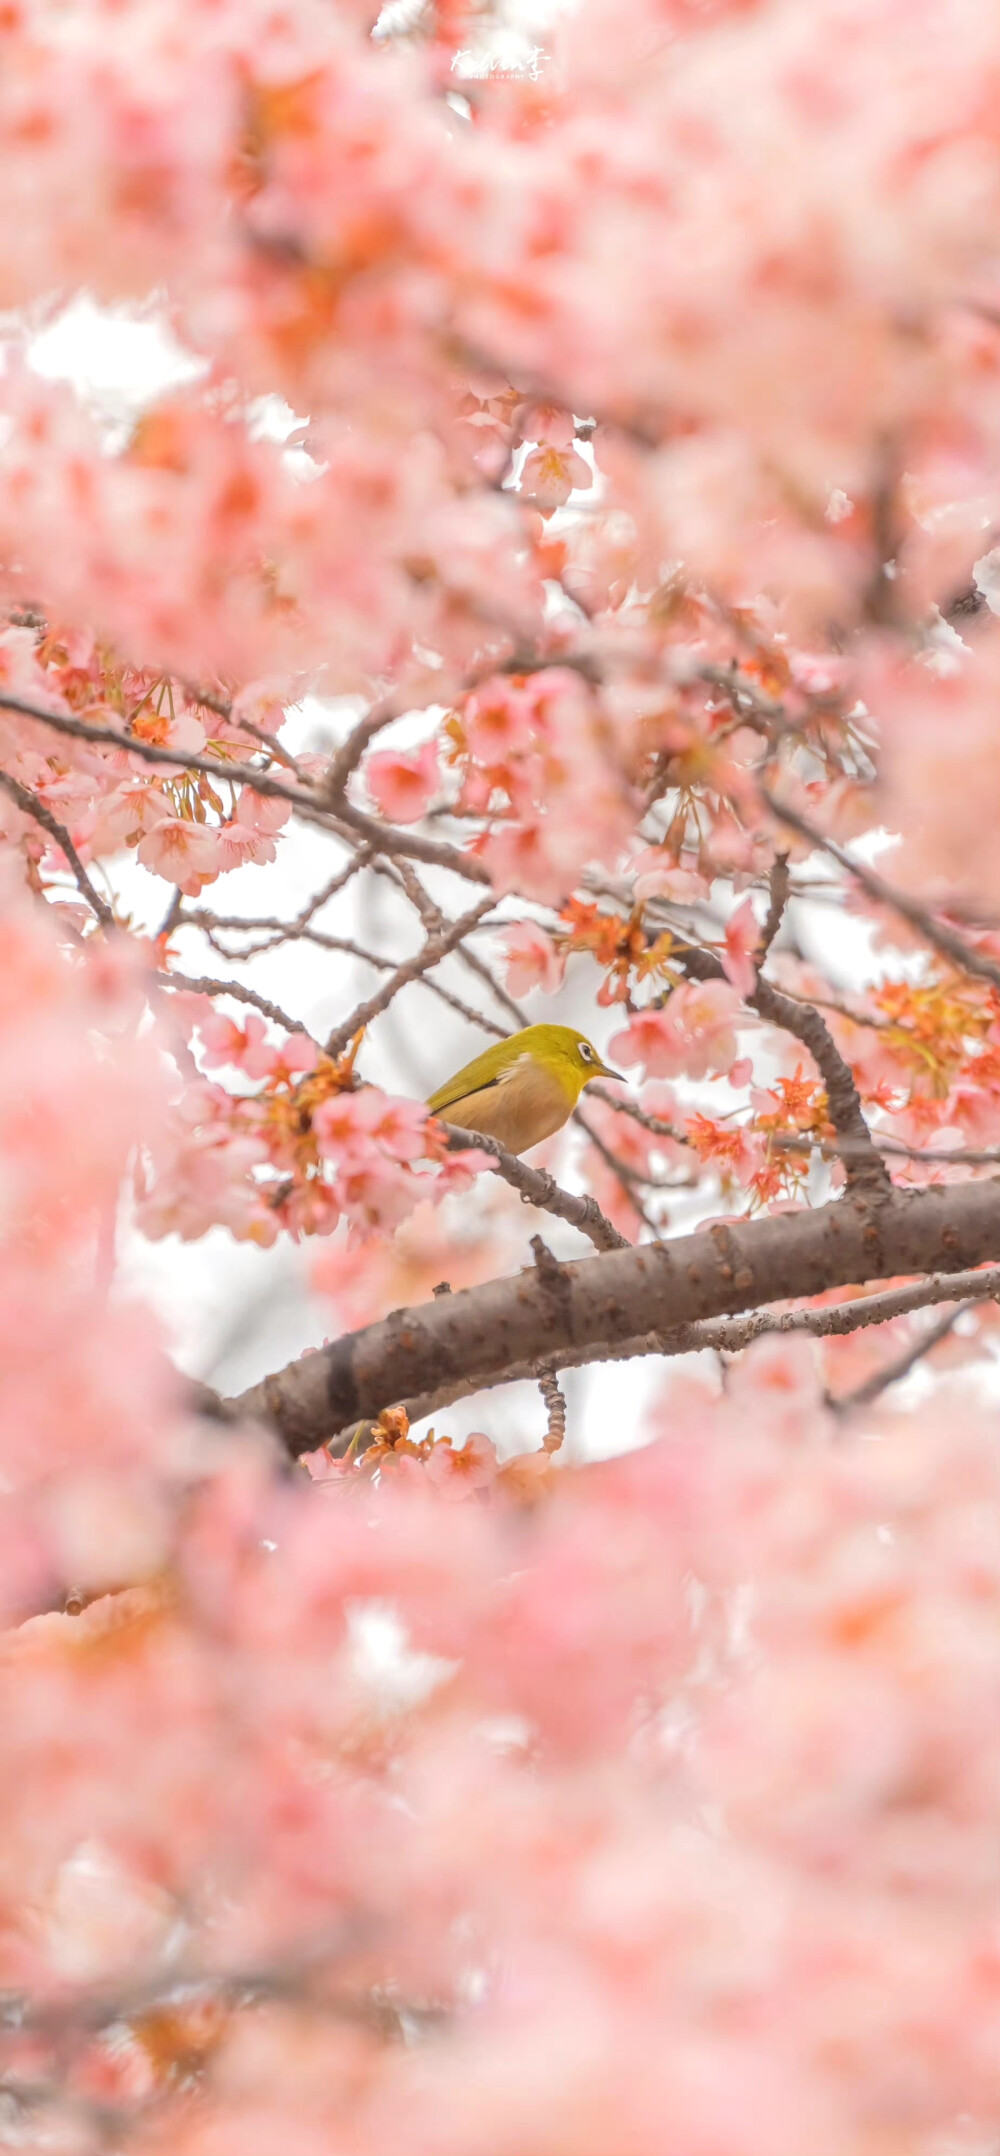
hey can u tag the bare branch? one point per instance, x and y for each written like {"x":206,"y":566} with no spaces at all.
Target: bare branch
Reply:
{"x":865,"y":1167}
{"x":944,"y":939}
{"x":437,"y":947}
{"x":204,"y":987}
{"x":30,"y":805}
{"x":780,"y":889}
{"x":901,"y":1365}
{"x":478,"y":1336}
{"x":540,"y":1189}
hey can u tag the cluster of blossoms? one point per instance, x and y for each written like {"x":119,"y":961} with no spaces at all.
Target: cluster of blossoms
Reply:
{"x":537,"y":766}
{"x":298,"y":1154}
{"x":668,"y":1799}
{"x":181,"y":826}
{"x":628,"y":426}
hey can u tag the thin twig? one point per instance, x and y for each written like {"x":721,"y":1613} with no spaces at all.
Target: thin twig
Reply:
{"x":174,"y":916}
{"x":539,"y":1188}
{"x":555,"y":1408}
{"x":834,"y":1149}
{"x":944,"y":939}
{"x":203,"y":917}
{"x":627,"y":1182}
{"x":237,"y":990}
{"x":653,"y":1123}
{"x":437,"y":947}
{"x":347,"y":758}
{"x":901,"y":1365}
{"x":30,"y":805}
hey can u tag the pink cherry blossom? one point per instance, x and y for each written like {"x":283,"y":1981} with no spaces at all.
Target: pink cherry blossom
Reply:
{"x":403,"y":786}
{"x":460,"y":1473}
{"x":693,"y":1034}
{"x":742,"y":940}
{"x":243,"y":1047}
{"x":184,"y":853}
{"x":351,"y":1125}
{"x":532,"y":960}
{"x":549,"y":475}
{"x":614,"y":398}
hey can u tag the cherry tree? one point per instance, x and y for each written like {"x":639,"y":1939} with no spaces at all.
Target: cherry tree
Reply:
{"x":590,"y":420}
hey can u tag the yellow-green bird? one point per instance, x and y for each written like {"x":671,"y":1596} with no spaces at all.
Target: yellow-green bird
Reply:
{"x":524,"y":1088}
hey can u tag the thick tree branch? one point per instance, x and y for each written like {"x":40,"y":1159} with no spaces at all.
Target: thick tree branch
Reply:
{"x":482,"y":1335}
{"x":728,"y":1336}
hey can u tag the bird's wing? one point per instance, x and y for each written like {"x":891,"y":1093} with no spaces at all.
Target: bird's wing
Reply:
{"x":474,"y":1077}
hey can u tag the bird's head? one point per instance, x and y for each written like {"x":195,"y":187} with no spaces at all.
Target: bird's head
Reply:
{"x":567,"y":1054}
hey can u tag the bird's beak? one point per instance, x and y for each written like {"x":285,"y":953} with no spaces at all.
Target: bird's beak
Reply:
{"x":604,"y":1071}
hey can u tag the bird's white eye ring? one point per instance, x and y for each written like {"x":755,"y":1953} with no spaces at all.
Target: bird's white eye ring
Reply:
{"x":586,"y":1051}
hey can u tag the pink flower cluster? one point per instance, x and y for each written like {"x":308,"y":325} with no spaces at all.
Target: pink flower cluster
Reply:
{"x":85,"y":1432}
{"x":299,"y":1152}
{"x":438,"y":1802}
{"x":180,"y":824}
{"x":544,"y":768}
{"x":672,"y":1807}
{"x":693,"y":1034}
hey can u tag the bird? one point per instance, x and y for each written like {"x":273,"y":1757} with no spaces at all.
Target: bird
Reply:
{"x":524,"y":1088}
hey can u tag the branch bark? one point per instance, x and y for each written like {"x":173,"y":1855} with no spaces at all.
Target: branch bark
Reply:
{"x":729,"y":1336}
{"x":864,"y":1166}
{"x":540,"y":1189}
{"x":346,"y":819}
{"x":938,"y":934}
{"x":892,"y":1372}
{"x":30,"y":805}
{"x":482,"y":1335}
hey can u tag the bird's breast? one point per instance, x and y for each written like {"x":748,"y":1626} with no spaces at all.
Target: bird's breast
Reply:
{"x":528,"y":1103}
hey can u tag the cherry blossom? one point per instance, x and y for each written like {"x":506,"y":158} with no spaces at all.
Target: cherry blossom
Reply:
{"x":611,"y":396}
{"x":403,"y":786}
{"x":695,"y":1033}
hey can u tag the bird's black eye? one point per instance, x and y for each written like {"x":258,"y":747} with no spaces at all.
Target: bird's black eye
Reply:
{"x":587,"y":1052}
